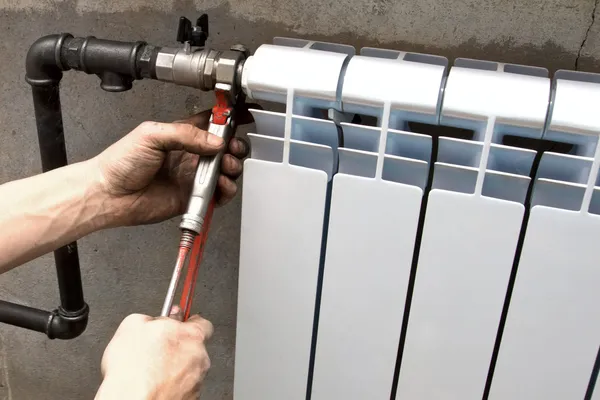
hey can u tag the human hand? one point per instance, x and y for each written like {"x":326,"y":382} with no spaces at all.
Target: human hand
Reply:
{"x":156,"y":358}
{"x":148,"y":174}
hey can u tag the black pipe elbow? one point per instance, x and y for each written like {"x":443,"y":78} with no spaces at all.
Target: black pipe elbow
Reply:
{"x":67,"y":325}
{"x":57,"y":324}
{"x":117,"y":64}
{"x":43,"y":63}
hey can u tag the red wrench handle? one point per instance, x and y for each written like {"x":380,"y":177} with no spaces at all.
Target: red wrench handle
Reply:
{"x":191,"y":278}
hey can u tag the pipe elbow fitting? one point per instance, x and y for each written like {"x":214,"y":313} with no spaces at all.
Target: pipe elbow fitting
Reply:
{"x":67,"y":325}
{"x":43,"y":63}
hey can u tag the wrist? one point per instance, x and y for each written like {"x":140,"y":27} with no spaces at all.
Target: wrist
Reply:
{"x":123,"y":389}
{"x":104,"y":211}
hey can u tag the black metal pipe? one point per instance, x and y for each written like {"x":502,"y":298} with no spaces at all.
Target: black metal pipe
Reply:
{"x":25,"y":317}
{"x":44,"y":72}
{"x":43,"y":63}
{"x":68,"y":325}
{"x":56,"y":324}
{"x":51,"y":138}
{"x":68,"y":273}
{"x":49,"y":123}
{"x":95,"y":56}
{"x":117,"y":64}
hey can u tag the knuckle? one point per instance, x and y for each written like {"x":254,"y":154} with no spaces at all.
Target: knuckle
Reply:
{"x":242,"y":147}
{"x":167,"y":329}
{"x":199,"y":134}
{"x":192,"y":132}
{"x":147,"y":126}
{"x":134,"y":319}
{"x":173,"y":341}
{"x":230,"y":186}
{"x":202,"y":358}
{"x":186,"y":127}
{"x":206,"y":363}
{"x":171,"y":326}
{"x":197,"y":332}
{"x":230,"y":162}
{"x":209,"y":329}
{"x":238,"y":165}
{"x":168,"y":338}
{"x":147,"y":131}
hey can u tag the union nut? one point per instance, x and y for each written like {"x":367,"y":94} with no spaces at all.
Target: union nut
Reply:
{"x":242,"y":49}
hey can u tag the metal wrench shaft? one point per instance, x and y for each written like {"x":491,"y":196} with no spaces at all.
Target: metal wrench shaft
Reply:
{"x":205,"y":181}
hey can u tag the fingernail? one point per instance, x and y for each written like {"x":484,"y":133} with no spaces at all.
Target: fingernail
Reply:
{"x":214,"y":140}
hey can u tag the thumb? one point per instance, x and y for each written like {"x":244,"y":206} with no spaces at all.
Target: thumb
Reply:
{"x":180,"y":136}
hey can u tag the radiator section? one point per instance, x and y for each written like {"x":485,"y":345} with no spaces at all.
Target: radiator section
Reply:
{"x":552,"y":330}
{"x":384,"y":256}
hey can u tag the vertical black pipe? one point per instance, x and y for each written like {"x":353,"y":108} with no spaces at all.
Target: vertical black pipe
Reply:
{"x":51,"y":138}
{"x":69,"y":278}
{"x":49,"y":123}
{"x":117,"y":64}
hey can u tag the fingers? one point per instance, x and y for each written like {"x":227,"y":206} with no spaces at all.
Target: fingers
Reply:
{"x":180,"y":136}
{"x":200,"y":326}
{"x":227,"y":189}
{"x":239,"y":148}
{"x":231,"y":167}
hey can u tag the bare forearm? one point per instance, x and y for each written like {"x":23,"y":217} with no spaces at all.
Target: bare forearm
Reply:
{"x":143,"y":178}
{"x":43,"y":212}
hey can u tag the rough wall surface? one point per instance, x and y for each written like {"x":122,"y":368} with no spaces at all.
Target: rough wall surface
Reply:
{"x":127,"y":270}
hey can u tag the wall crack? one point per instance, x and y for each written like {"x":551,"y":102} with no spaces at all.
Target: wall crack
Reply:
{"x":587,"y":34}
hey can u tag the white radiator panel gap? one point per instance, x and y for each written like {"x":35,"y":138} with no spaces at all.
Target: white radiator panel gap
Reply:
{"x":593,"y":392}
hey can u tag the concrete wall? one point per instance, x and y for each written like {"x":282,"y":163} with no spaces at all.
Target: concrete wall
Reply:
{"x":127,"y":270}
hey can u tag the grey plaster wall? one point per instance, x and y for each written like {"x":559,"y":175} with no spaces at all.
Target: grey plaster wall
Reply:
{"x":127,"y":270}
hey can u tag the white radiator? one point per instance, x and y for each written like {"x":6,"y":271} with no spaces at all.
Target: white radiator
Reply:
{"x":378,"y":262}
